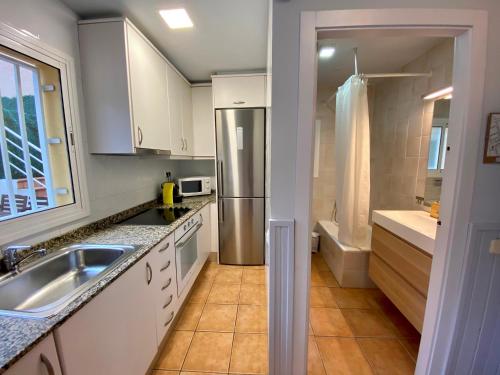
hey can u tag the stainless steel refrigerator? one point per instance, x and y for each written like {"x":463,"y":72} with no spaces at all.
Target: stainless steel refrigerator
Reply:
{"x":240,"y":137}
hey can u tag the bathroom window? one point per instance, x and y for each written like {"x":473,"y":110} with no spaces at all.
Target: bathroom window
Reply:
{"x":39,"y":163}
{"x":437,"y":148}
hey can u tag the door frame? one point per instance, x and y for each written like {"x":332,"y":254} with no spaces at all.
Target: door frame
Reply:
{"x":469,"y":27}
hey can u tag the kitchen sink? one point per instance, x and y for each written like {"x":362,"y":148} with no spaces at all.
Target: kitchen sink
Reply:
{"x":46,"y":286}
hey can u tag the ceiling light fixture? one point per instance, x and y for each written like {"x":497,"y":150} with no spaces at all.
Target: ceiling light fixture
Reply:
{"x":326,"y":52}
{"x":439,"y":93}
{"x":176,"y":18}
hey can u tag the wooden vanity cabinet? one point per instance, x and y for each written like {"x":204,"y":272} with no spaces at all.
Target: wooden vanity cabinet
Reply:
{"x":401,"y":270}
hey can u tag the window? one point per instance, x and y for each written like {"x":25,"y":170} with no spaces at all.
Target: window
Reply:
{"x":437,"y":148}
{"x":34,"y":170}
{"x":40,"y":164}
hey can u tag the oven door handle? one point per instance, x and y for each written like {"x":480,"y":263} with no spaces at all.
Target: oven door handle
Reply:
{"x":193,"y":232}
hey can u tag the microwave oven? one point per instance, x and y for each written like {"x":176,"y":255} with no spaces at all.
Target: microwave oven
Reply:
{"x":192,"y":186}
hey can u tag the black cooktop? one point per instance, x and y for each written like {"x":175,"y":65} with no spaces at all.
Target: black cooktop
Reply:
{"x":157,"y":216}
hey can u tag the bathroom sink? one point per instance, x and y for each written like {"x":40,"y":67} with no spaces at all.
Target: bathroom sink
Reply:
{"x":45,"y":287}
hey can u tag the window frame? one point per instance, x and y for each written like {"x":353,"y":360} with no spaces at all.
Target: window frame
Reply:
{"x":37,"y":223}
{"x":443,"y":124}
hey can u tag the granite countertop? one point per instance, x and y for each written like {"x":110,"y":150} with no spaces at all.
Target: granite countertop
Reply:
{"x":19,"y":334}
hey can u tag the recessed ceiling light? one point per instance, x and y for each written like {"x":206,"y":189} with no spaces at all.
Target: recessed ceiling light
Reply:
{"x":326,"y":52}
{"x":176,"y":18}
{"x":439,"y":93}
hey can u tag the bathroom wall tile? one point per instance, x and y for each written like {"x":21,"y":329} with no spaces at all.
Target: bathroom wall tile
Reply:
{"x":413,"y":146}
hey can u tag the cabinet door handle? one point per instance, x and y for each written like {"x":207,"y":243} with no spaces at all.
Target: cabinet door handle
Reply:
{"x":164,"y":248}
{"x":169,"y":301}
{"x":139,"y":131}
{"x":239,"y":102}
{"x":167,"y":284}
{"x":47,"y":364}
{"x":169,"y":319}
{"x":150,"y":273}
{"x":165,"y":267}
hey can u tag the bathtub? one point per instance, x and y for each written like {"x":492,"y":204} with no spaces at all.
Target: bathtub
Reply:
{"x":348,"y":264}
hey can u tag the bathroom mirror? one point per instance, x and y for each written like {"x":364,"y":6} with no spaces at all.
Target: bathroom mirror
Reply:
{"x":437,"y":150}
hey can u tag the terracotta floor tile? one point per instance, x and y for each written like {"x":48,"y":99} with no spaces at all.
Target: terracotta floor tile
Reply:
{"x":321,"y":296}
{"x":314,"y":362}
{"x":369,"y":323}
{"x":209,"y":351}
{"x":412,"y":345}
{"x":329,"y":322}
{"x":218,"y":318}
{"x":404,"y":327}
{"x":311,"y":332}
{"x":164,"y":372}
{"x":252,"y":294}
{"x":319,"y":263}
{"x":342,"y":356}
{"x":174,"y":351}
{"x":189,"y":317}
{"x":348,"y":298}
{"x":387,"y":356}
{"x":251,"y":319}
{"x":228,"y":276}
{"x":323,"y":278}
{"x":254,"y":277}
{"x":200,"y":373}
{"x":227,"y":294}
{"x":249,"y":354}
{"x":199,"y":293}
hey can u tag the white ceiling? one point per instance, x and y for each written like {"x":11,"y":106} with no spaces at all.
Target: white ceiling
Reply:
{"x":375,"y":55}
{"x":228,"y":35}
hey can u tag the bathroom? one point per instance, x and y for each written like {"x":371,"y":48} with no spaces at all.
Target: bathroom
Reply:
{"x":376,"y":193}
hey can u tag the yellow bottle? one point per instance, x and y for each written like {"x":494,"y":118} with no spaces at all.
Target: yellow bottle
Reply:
{"x":435,"y":210}
{"x":168,"y":193}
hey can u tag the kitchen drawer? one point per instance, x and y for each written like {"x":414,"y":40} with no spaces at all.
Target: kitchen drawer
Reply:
{"x":407,"y":299}
{"x":239,"y":91}
{"x":413,"y":264}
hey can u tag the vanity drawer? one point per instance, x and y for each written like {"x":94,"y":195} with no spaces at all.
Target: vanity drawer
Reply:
{"x":406,"y":298}
{"x":412,"y":264}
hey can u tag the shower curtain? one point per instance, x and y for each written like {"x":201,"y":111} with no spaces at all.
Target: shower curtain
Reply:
{"x":352,"y":162}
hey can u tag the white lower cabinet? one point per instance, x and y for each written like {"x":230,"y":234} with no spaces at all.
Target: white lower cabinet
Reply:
{"x":41,"y":360}
{"x":114,"y":334}
{"x":164,"y":286}
{"x":205,"y":235}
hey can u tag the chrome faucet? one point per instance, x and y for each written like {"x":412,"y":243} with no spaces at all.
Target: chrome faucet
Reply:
{"x":12,"y":260}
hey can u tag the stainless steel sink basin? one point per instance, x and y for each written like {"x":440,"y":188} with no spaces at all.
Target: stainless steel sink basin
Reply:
{"x":48,"y":285}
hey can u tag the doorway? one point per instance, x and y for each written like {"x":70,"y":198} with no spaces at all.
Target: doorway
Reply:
{"x":467,"y":27}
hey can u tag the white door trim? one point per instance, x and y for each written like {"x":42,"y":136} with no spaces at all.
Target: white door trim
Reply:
{"x":469,"y":26}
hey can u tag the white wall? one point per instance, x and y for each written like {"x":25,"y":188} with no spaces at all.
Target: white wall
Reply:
{"x":115,"y":183}
{"x":286,"y":18}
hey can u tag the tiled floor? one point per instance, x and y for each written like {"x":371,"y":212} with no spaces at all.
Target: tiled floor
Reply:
{"x":223,"y":327}
{"x":356,"y":331}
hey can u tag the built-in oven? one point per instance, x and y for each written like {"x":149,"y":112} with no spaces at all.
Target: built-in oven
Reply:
{"x":186,"y":251}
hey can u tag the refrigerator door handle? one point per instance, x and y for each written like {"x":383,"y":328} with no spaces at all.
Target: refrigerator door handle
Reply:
{"x":221,"y":211}
{"x":221,"y":178}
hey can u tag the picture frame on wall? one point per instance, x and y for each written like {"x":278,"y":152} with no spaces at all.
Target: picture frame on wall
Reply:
{"x":492,"y":141}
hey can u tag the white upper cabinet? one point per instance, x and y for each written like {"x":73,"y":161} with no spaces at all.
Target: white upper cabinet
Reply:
{"x":148,"y":91}
{"x":125,"y":88}
{"x":181,"y":116}
{"x":203,"y":122}
{"x":239,"y":91}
